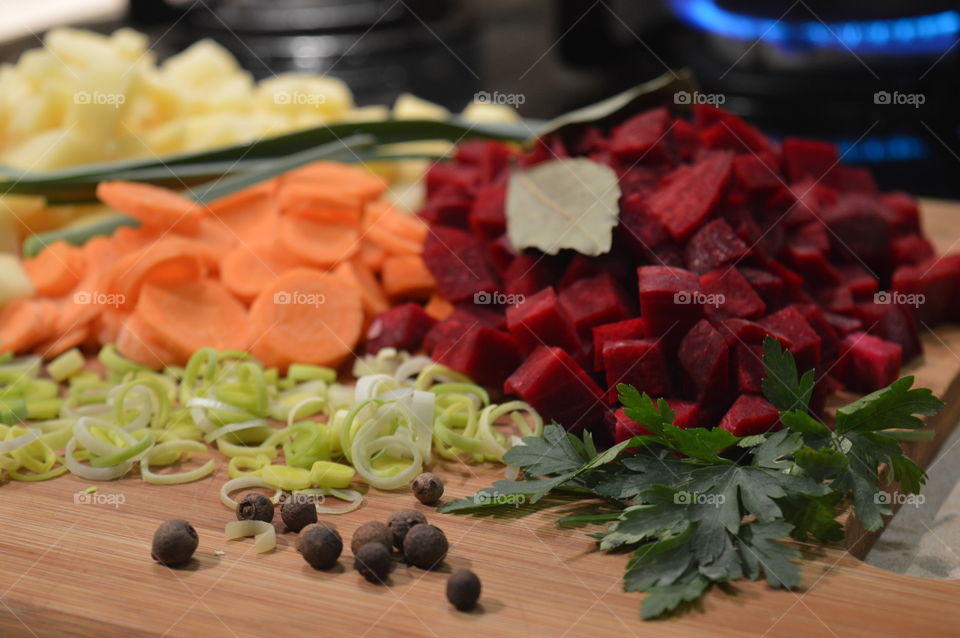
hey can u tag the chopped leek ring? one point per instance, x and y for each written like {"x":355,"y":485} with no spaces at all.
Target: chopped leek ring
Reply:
{"x":326,"y":474}
{"x":285,"y":477}
{"x":244,"y":483}
{"x":180,"y":477}
{"x":265,"y":535}
{"x":66,"y":365}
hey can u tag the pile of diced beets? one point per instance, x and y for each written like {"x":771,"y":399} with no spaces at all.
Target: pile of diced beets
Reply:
{"x":725,"y":236}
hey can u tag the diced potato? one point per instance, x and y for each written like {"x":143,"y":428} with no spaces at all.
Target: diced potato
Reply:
{"x":410,"y":107}
{"x":487,"y":112}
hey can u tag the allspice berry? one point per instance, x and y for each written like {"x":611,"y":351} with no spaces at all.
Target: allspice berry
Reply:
{"x":255,"y":507}
{"x":298,"y":513}
{"x":174,"y":542}
{"x":425,"y":546}
{"x":373,"y":562}
{"x":427,"y":488}
{"x":320,"y":546}
{"x":371,"y":532}
{"x":463,"y":589}
{"x":400,"y":523}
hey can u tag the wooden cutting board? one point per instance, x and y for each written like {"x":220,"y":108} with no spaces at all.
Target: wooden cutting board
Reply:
{"x":69,"y":568}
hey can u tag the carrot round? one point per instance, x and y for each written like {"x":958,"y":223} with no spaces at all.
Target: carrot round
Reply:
{"x":251,"y":218}
{"x":152,"y":206}
{"x":360,"y":277}
{"x":438,"y":308}
{"x":327,"y":205}
{"x":62,"y":342}
{"x":317,"y":243}
{"x":386,"y":218}
{"x":407,"y":277}
{"x":189,"y":315}
{"x":138,"y":343}
{"x":23,"y":325}
{"x":249,"y":268}
{"x":171,"y":259}
{"x":331,"y":177}
{"x":306,"y":316}
{"x":56,"y":270}
{"x":80,"y":306}
{"x":371,"y":255}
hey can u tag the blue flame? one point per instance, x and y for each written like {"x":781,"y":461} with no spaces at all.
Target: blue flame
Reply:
{"x":877,"y":150}
{"x":932,"y":33}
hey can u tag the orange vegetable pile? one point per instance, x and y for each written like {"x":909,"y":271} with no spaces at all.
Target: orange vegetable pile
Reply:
{"x":291,"y":269}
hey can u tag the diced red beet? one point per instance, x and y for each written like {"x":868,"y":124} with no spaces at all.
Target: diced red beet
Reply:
{"x":686,"y":142}
{"x":867,"y":363}
{"x":906,"y":218}
{"x":402,"y":327}
{"x":445,"y":331}
{"x":825,"y":385}
{"x":813,"y":235}
{"x":627,"y":329}
{"x":740,"y":331}
{"x":792,"y":329}
{"x":501,"y":253}
{"x":858,"y":279}
{"x":843,"y":325}
{"x":851,"y":179}
{"x":487,"y":218}
{"x":541,"y":319}
{"x":706,"y":115}
{"x":767,"y":285}
{"x":714,"y":245}
{"x":491,"y":158}
{"x":459,"y":264}
{"x":838,"y":299}
{"x":743,"y":224}
{"x":450,"y":177}
{"x":485,"y":355}
{"x":527,"y":274}
{"x":829,"y":339}
{"x":689,"y":193}
{"x":685,"y":415}
{"x":729,"y":294}
{"x":734,"y":134}
{"x":464,"y":318}
{"x":643,"y":138}
{"x":749,"y":362}
{"x":669,"y":294}
{"x":893,"y":322}
{"x":928,"y":288}
{"x":641,"y":363}
{"x":641,"y":229}
{"x":756,"y":172}
{"x":558,"y":388}
{"x":813,"y":264}
{"x":911,"y":250}
{"x":593,"y":301}
{"x":750,"y":414}
{"x":642,"y":180}
{"x":484,"y":315}
{"x":807,"y":158}
{"x":449,"y":208}
{"x":860,"y":231}
{"x":705,"y":357}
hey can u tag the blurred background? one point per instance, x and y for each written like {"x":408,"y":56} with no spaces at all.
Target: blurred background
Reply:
{"x":878,"y":78}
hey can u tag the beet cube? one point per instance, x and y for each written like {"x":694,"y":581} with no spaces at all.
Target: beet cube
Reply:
{"x":911,"y":250}
{"x":928,"y":288}
{"x":450,"y":177}
{"x":728,"y":294}
{"x":501,"y":253}
{"x":541,"y":319}
{"x":740,"y":331}
{"x":851,"y":179}
{"x":860,"y":231}
{"x":829,"y":339}
{"x":527,"y":274}
{"x":750,"y":373}
{"x":643,"y":137}
{"x":685,"y":415}
{"x":449,"y":208}
{"x":690,"y":192}
{"x":813,"y":263}
{"x":734,"y":134}
{"x":686,"y":142}
{"x":843,"y":324}
{"x":669,"y":294}
{"x":714,"y":245}
{"x":641,"y":229}
{"x":792,"y":329}
{"x":893,"y":322}
{"x":641,"y":363}
{"x":906,"y":213}
{"x":767,"y":285}
{"x":558,"y":388}
{"x":705,"y":357}
{"x":485,"y":355}
{"x":487,"y":218}
{"x":756,"y":172}
{"x":491,"y":158}
{"x":807,"y":158}
{"x":628,"y":329}
{"x":867,"y":363}
{"x":750,"y":414}
{"x":861,"y":283}
{"x":402,"y":327}
{"x":838,"y":299}
{"x":594,"y":301}
{"x":459,"y":264}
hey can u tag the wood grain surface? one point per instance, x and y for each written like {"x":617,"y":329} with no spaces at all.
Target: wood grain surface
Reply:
{"x":74,"y":568}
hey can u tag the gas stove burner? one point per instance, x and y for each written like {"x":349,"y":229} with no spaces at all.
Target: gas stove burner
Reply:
{"x":907,"y":34}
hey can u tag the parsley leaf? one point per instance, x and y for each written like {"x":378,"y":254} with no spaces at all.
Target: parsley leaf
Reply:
{"x":781,"y":385}
{"x":892,"y":407}
{"x":763,"y":552}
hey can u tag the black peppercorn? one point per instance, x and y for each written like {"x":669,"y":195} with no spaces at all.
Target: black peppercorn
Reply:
{"x":425,"y":546}
{"x":371,"y":532}
{"x":427,"y":488}
{"x":463,"y":589}
{"x":174,"y":542}
{"x":400,"y":523}
{"x":255,"y":507}
{"x":298,"y":513}
{"x":373,"y":562}
{"x":320,"y":546}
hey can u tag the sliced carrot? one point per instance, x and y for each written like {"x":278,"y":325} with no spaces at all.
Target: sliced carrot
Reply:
{"x":249,"y":219}
{"x":390,"y":220}
{"x":324,"y":204}
{"x":371,"y":255}
{"x":80,"y":307}
{"x":360,"y":277}
{"x":127,"y":239}
{"x":106,"y":326}
{"x":22,"y":325}
{"x":391,"y":243}
{"x":136,"y":342}
{"x":438,"y":308}
{"x":171,"y":259}
{"x":406,"y":277}
{"x":57,"y":269}
{"x":62,"y":342}
{"x":213,"y":242}
{"x":152,"y":206}
{"x":339,"y":178}
{"x":306,"y":316}
{"x":241,"y":199}
{"x":249,"y":268}
{"x":317,"y":243}
{"x":189,"y":315}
